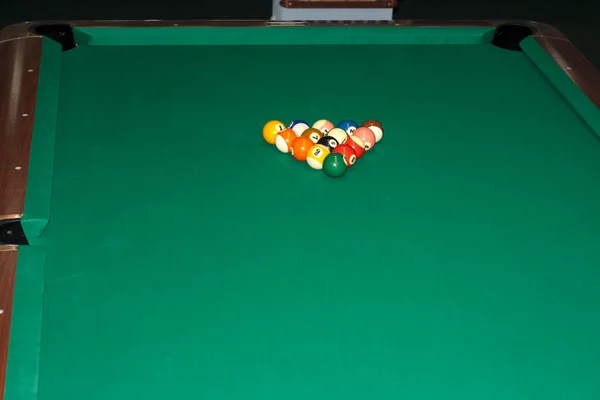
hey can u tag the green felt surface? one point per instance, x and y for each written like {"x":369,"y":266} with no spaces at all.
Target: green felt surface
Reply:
{"x":185,"y":258}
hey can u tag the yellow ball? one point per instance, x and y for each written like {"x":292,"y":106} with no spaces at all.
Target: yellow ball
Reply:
{"x":271,"y":129}
{"x":316,"y":155}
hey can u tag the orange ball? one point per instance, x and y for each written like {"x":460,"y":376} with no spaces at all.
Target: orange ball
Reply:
{"x":284,"y":139}
{"x":300,"y":147}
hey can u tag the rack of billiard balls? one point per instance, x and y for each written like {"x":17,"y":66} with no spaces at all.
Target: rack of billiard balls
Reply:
{"x":324,"y":146}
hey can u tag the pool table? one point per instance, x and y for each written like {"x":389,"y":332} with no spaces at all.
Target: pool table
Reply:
{"x":156,"y":247}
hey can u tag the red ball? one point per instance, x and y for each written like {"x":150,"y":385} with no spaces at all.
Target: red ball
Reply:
{"x":347,"y":152}
{"x":357,"y":145}
{"x":367,"y":136}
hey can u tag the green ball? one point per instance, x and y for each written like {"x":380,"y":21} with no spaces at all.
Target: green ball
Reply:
{"x":334,"y":165}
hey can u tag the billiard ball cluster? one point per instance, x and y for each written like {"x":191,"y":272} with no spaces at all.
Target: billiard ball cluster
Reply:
{"x":324,"y":146}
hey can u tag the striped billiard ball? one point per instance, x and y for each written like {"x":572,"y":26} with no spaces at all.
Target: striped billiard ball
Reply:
{"x":284,"y":139}
{"x":357,"y":145}
{"x":338,"y":134}
{"x":299,"y":126}
{"x":367,"y":136}
{"x":323,"y":125}
{"x":347,"y":152}
{"x":316,"y":156}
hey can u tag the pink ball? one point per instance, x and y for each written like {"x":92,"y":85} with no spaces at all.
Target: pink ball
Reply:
{"x":367,"y":136}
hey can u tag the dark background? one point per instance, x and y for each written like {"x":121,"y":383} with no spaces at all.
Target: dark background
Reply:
{"x":579,"y":20}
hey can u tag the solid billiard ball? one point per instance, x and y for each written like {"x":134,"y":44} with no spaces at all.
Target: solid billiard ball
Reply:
{"x":367,"y":136}
{"x":328,"y":142}
{"x":284,"y":139}
{"x":316,"y":156}
{"x":271,"y":129}
{"x":357,"y":145}
{"x":348,"y":126}
{"x":323,"y":125}
{"x":300,"y":147}
{"x":299,"y":126}
{"x":347,"y":152}
{"x":376,"y":127}
{"x":338,"y":134}
{"x":313,"y":134}
{"x":334,"y":165}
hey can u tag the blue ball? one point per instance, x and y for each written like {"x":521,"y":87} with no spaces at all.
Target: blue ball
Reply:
{"x":348,"y":125}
